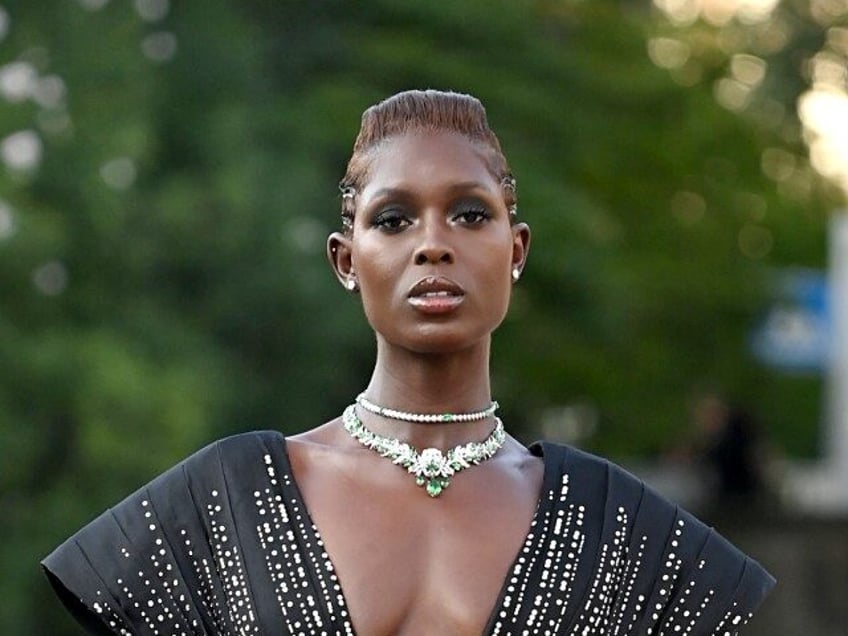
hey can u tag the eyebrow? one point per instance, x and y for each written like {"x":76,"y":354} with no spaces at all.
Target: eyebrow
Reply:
{"x":462,"y":186}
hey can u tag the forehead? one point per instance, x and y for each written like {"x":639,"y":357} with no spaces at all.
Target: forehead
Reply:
{"x":428,"y":159}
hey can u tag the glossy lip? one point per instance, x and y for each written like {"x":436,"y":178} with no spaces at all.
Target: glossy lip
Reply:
{"x":436,"y":295}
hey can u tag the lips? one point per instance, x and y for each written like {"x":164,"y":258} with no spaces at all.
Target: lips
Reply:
{"x":436,"y":295}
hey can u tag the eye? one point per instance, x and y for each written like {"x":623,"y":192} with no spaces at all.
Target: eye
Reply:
{"x":392,"y":220}
{"x":471,"y":213}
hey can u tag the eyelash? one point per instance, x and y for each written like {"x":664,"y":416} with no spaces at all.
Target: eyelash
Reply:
{"x":387,"y":221}
{"x":394,"y":220}
{"x":480,"y":213}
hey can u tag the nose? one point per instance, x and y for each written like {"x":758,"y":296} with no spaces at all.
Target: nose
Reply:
{"x":435,"y":246}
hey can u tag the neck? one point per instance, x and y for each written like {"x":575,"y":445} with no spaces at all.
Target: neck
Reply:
{"x":455,"y":382}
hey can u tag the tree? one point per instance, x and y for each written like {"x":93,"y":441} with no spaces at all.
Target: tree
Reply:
{"x":170,"y":178}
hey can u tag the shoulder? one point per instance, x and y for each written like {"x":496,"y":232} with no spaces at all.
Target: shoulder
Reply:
{"x":232,"y":462}
{"x":607,"y":490}
{"x":251,"y":441}
{"x":591,"y":477}
{"x":671,"y":560}
{"x":178,"y":524}
{"x":233,"y":449}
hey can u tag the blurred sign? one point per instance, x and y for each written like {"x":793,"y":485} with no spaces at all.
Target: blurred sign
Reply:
{"x":795,"y":334}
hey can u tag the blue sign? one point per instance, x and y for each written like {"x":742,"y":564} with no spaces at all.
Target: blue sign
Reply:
{"x":795,"y":335}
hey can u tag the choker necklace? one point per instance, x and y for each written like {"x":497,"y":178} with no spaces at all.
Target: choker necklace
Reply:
{"x":431,"y":468}
{"x":425,"y":418}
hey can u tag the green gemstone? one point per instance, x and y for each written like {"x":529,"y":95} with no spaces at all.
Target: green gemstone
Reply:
{"x":419,"y":481}
{"x":434,"y":488}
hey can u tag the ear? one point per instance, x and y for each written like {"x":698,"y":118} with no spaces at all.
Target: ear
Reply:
{"x":520,"y":245}
{"x":340,"y":255}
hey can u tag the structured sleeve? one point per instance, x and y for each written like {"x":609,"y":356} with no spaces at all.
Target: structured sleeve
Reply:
{"x":169,"y":559}
{"x":609,"y":555}
{"x":670,"y":573}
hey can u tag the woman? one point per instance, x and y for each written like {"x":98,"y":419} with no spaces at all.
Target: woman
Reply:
{"x":347,"y":528}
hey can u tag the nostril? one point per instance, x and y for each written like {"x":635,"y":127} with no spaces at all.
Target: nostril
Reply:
{"x":433,"y":255}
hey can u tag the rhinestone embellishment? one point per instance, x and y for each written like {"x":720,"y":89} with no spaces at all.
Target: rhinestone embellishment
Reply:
{"x":432,"y":468}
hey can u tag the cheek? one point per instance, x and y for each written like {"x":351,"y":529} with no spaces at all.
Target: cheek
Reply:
{"x":495,"y":262}
{"x":495,"y":278}
{"x":375,"y":266}
{"x":377,"y":271}
{"x":493,"y":272}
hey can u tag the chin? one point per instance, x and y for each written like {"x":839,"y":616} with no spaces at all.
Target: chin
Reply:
{"x":440,"y":341}
{"x":438,"y":348}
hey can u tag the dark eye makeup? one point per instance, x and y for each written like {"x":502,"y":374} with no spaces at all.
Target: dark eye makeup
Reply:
{"x":393,"y":218}
{"x":471,"y":212}
{"x":390,"y":219}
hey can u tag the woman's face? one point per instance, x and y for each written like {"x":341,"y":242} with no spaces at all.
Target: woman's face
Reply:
{"x":432,"y":247}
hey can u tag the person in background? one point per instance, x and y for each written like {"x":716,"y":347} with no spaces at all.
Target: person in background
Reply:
{"x":729,"y":446}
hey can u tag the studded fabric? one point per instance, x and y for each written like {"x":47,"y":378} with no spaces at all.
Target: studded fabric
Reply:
{"x":222,"y":544}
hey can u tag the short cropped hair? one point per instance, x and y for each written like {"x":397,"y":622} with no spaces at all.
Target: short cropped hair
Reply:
{"x":415,"y":111}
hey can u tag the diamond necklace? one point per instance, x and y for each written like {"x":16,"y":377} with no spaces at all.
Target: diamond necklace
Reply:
{"x":425,"y":418}
{"x":431,"y":468}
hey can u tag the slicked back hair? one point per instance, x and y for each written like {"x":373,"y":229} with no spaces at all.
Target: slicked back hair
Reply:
{"x":417,"y":111}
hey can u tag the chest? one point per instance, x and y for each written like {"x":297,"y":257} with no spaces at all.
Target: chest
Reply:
{"x":411,"y":564}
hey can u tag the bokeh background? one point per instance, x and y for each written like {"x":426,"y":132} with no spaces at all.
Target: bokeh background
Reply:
{"x":168,"y":176}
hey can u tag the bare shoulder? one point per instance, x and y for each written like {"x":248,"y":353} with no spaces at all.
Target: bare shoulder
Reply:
{"x":325,"y":447}
{"x":518,"y":457}
{"x":323,"y":435}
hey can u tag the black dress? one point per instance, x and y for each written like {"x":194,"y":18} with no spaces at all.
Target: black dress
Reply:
{"x":223,"y":544}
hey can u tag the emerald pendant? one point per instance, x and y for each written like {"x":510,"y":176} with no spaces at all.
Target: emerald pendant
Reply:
{"x":435,"y":487}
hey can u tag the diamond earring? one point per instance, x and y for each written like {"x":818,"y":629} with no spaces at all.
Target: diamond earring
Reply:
{"x":350,"y":284}
{"x":516,"y":274}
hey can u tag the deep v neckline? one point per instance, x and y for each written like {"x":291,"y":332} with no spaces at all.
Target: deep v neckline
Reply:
{"x":543,"y":502}
{"x":222,"y":542}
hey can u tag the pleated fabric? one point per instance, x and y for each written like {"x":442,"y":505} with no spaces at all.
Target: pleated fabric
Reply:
{"x":219,"y":544}
{"x":222,"y":544}
{"x":607,"y":555}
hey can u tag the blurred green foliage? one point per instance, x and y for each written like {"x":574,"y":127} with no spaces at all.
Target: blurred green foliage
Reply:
{"x":162,"y":271}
